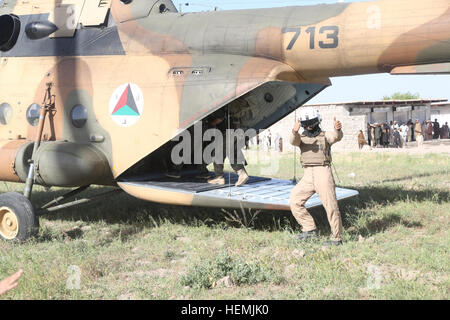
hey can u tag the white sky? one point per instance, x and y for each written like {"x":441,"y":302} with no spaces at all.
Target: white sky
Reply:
{"x":369,"y":87}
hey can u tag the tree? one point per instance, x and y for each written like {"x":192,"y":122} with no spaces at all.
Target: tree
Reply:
{"x":402,"y":96}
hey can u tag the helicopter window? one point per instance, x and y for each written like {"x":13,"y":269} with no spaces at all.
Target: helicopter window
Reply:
{"x":268,"y":97}
{"x":33,"y":113}
{"x":6,"y":113}
{"x":79,"y":116}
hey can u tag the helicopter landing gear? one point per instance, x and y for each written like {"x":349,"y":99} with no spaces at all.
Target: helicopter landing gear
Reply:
{"x":18,"y":220}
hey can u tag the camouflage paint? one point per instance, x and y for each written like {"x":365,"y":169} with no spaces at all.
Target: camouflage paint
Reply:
{"x":241,"y":52}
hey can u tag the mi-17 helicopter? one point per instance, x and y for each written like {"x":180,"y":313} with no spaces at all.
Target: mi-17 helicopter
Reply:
{"x":91,"y":91}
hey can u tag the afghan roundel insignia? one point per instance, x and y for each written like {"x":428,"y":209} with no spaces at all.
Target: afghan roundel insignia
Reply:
{"x":126,"y":104}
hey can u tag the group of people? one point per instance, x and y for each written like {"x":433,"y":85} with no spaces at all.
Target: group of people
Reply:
{"x":266,"y":141}
{"x":396,"y":134}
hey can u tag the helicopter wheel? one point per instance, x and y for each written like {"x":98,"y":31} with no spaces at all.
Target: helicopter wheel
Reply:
{"x":18,"y":220}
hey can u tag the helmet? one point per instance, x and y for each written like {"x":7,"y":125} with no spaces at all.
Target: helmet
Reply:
{"x":309,"y":117}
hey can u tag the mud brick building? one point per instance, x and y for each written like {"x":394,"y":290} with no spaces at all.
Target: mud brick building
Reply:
{"x":355,"y":116}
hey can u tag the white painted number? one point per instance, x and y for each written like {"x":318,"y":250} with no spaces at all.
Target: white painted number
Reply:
{"x":374,"y":20}
{"x":71,"y":17}
{"x":374,"y":281}
{"x":74,"y":279}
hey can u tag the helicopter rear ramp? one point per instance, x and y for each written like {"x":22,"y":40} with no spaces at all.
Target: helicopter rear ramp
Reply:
{"x":258,"y":193}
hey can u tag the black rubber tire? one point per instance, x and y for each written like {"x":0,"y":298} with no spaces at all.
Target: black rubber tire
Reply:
{"x":24,"y":211}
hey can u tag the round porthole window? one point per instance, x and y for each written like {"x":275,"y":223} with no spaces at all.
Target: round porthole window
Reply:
{"x":6,"y":113}
{"x":33,"y":114}
{"x":268,"y":97}
{"x":79,"y":116}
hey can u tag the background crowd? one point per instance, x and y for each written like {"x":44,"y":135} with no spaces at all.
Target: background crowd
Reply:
{"x":266,"y":141}
{"x":395,"y":134}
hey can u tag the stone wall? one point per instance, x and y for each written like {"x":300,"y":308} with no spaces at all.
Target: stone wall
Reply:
{"x":353,"y":118}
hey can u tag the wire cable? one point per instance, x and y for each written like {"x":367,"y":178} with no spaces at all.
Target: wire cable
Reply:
{"x":294,"y":179}
{"x":229,"y":150}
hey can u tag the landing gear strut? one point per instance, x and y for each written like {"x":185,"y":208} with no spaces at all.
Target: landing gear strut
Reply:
{"x":20,"y":221}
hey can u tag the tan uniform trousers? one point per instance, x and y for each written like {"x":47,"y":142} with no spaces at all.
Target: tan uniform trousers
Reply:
{"x":238,"y":156}
{"x":317,"y":179}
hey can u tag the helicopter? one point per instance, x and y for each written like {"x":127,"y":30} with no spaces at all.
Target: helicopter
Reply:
{"x":94,"y":91}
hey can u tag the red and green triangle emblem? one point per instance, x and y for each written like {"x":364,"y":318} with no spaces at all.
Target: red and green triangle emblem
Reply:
{"x":126,"y":105}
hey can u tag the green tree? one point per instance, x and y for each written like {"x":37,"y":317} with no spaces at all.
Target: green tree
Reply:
{"x":402,"y":96}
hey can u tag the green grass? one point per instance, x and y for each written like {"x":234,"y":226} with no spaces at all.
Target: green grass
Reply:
{"x":396,"y":237}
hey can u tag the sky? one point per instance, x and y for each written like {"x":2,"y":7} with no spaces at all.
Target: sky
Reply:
{"x":356,"y":88}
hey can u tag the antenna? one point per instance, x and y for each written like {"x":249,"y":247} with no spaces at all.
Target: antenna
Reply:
{"x":294,"y":179}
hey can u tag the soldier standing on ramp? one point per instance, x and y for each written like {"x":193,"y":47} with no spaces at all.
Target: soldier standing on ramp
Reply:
{"x":219,"y":121}
{"x":315,"y":146}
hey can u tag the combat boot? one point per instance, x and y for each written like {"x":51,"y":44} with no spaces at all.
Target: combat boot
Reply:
{"x":243,"y":178}
{"x":220,"y":180}
{"x":203,"y":173}
{"x":308,"y":235}
{"x":173,"y":174}
{"x":332,"y":243}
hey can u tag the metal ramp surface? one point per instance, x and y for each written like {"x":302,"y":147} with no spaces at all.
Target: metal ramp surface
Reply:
{"x":192,"y":184}
{"x":258,"y":193}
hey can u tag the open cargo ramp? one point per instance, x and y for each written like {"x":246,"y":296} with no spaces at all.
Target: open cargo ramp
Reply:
{"x":258,"y":193}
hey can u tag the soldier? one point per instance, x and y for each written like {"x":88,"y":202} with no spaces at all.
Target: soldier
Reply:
{"x":315,"y":146}
{"x":171,"y":169}
{"x":219,"y":121}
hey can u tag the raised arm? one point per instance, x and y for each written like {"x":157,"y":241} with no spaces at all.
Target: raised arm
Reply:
{"x":336,"y":135}
{"x":296,"y":140}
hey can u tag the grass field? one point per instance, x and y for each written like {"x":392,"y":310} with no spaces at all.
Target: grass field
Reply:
{"x":396,"y":243}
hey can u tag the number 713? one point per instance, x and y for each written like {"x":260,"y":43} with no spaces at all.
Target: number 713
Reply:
{"x":332,"y":33}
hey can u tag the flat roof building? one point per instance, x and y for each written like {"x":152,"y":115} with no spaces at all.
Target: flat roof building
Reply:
{"x":355,"y":116}
{"x":441,"y":112}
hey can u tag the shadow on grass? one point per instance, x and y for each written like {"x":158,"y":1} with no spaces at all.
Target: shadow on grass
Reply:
{"x":134,"y":214}
{"x":410,"y":177}
{"x":361,"y":214}
{"x":392,"y":194}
